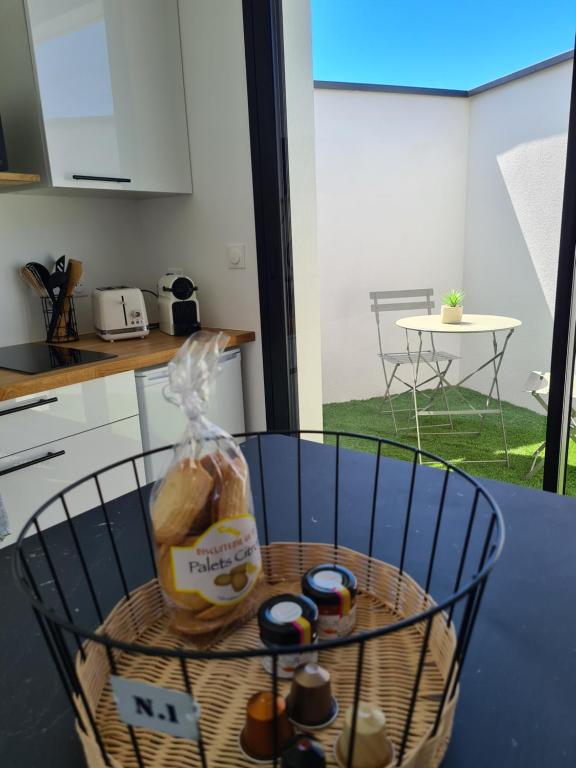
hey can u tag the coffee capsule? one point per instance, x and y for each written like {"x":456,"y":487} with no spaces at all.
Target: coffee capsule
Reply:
{"x":257,"y":738}
{"x":310,"y":702}
{"x":372,"y":747}
{"x":303,"y":752}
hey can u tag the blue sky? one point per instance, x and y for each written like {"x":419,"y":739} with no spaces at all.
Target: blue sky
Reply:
{"x":436,"y":43}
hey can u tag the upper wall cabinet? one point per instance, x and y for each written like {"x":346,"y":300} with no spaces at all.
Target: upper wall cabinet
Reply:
{"x":93,"y":93}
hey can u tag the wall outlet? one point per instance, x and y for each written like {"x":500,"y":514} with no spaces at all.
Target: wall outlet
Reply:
{"x":236,"y":254}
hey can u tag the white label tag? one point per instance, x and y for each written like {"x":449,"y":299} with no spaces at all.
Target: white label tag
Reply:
{"x":224,"y":563}
{"x":159,"y":709}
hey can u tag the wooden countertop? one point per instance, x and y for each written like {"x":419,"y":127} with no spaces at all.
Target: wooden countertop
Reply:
{"x":155,"y":349}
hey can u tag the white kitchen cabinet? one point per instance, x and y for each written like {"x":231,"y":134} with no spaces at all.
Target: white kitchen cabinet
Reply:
{"x":24,"y":486}
{"x":108,"y":80}
{"x":34,"y":420}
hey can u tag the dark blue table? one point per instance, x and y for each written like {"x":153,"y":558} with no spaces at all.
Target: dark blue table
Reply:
{"x":517,"y":707}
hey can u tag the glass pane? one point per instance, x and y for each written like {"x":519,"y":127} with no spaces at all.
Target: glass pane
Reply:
{"x":439,"y":166}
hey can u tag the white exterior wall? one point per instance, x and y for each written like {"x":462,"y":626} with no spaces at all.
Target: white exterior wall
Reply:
{"x":517,"y":156}
{"x":391,"y":190}
{"x":429,"y":191}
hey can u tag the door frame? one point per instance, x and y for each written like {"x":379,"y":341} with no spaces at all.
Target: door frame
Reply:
{"x":263,"y":38}
{"x":264,"y":50}
{"x":564,"y":333}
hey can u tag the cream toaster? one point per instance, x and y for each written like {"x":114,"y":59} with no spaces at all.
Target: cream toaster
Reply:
{"x":119,"y":313}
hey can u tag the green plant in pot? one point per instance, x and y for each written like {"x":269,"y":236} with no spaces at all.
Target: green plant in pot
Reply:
{"x":452,"y":307}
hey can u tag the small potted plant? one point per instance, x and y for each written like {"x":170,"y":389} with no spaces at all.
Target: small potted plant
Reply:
{"x":452,"y":308}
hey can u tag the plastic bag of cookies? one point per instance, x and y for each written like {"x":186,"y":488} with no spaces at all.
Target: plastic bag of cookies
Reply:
{"x":207,"y":549}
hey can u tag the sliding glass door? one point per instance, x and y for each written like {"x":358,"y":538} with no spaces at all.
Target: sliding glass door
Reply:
{"x":393,"y":192}
{"x":559,"y":470}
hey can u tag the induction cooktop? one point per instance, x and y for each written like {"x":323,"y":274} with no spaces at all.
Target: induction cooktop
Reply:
{"x":40,"y":357}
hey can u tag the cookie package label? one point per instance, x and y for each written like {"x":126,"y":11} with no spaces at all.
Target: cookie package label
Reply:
{"x":224,"y":563}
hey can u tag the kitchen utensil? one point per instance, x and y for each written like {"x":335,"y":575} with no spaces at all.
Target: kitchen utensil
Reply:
{"x":69,"y":281}
{"x":372,"y":747}
{"x":74,"y":272}
{"x":66,"y":282}
{"x":31,"y":279}
{"x":43,"y":276}
{"x":310,"y":702}
{"x":257,"y":738}
{"x":60,"y":265}
{"x":56,"y":281}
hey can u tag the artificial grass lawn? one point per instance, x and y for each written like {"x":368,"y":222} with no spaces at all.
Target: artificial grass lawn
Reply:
{"x":525,"y":432}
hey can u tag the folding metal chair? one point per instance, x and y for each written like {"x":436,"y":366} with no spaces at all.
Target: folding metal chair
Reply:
{"x":437,"y":361}
{"x":538,"y":384}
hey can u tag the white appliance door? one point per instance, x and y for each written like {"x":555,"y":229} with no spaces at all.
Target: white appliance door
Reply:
{"x":162,"y":423}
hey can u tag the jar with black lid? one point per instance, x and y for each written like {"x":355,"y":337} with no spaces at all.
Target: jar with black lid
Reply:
{"x":334,"y":589}
{"x":288,"y":620}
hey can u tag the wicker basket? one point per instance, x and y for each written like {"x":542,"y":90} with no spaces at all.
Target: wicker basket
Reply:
{"x":405,"y":655}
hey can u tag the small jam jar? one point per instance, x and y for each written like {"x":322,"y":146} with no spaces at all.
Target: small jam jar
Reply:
{"x":333,"y":588}
{"x":288,"y":620}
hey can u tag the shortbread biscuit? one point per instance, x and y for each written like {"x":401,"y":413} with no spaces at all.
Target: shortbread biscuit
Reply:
{"x":180,"y":507}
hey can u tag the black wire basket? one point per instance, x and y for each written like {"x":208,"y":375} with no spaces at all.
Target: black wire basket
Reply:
{"x":421,"y":542}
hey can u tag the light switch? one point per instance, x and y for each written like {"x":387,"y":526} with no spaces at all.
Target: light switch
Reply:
{"x":236,"y":256}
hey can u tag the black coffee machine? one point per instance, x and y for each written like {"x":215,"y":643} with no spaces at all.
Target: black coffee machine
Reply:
{"x":3,"y":157}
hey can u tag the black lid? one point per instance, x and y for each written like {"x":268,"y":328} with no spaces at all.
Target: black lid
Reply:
{"x":182,"y":288}
{"x":303,"y":752}
{"x":288,"y":620}
{"x":327,"y":590}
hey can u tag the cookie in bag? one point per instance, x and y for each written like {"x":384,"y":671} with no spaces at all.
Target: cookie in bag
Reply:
{"x":207,"y":549}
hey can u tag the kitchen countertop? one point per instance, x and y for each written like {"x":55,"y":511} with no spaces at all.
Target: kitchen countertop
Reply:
{"x":155,"y":349}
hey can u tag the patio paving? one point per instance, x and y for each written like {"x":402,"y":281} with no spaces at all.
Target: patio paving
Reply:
{"x":525,"y":431}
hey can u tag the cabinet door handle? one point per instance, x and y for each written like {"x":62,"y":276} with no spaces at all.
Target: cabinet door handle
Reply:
{"x":27,"y":406}
{"x":39,"y":460}
{"x":117,"y":179}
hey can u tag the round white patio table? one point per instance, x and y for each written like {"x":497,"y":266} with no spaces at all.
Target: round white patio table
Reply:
{"x":490,"y":324}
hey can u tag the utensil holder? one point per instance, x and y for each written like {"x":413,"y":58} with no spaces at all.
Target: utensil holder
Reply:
{"x":66,"y":328}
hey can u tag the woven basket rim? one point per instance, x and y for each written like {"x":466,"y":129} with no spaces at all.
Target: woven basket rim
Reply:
{"x":320,"y":645}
